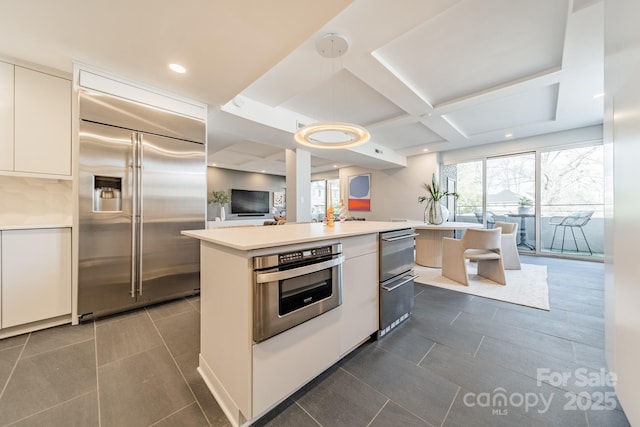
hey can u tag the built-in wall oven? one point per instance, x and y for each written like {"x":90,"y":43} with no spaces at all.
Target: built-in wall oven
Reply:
{"x":397,"y":257}
{"x":292,"y":287}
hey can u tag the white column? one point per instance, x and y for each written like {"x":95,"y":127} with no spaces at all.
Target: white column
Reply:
{"x":621,"y":130}
{"x":298,"y":194}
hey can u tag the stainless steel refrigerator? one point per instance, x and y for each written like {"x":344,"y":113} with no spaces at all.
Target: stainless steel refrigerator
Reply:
{"x":142,"y":179}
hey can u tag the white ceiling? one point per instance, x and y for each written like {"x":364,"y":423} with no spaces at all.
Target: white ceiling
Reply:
{"x":420,"y":75}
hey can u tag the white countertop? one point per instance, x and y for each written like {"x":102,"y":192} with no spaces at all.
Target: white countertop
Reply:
{"x":257,"y":237}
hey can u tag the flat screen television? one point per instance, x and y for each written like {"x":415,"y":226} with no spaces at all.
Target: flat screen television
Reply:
{"x":249,"y":202}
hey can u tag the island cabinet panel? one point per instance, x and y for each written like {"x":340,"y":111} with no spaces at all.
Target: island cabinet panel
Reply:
{"x":42,"y":123}
{"x":36,"y":275}
{"x":6,"y":116}
{"x":226,"y":328}
{"x":359,"y":310}
{"x":286,"y":362}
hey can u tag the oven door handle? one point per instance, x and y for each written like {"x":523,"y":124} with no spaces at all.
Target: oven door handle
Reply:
{"x":404,"y":282}
{"x":300,"y":271}
{"x":406,"y":236}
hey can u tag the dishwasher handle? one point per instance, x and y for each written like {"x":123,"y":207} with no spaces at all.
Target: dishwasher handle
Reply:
{"x":404,"y":282}
{"x":405,"y":236}
{"x":300,"y":271}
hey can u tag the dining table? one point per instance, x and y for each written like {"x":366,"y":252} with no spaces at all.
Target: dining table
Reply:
{"x":429,"y":240}
{"x":523,"y":241}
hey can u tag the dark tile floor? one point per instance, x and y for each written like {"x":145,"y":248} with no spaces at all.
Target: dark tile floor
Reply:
{"x":459,"y":361}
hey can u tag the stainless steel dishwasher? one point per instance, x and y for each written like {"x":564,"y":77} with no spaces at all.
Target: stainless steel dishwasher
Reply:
{"x":397,"y":257}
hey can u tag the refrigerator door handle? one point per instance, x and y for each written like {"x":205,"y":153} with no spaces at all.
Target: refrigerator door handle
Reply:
{"x":134,"y":214}
{"x":140,"y":209}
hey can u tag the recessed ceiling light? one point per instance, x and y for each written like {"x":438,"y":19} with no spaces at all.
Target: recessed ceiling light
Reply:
{"x":178,"y":68}
{"x":263,"y":171}
{"x":335,"y":166}
{"x":508,"y":135}
{"x":598,"y":95}
{"x":425,"y":149}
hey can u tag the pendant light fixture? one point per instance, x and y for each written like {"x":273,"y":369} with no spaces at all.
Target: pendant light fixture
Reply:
{"x":332,"y":135}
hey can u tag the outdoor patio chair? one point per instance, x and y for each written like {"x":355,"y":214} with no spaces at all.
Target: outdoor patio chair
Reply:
{"x":575,"y":220}
{"x":491,"y":218}
{"x":479,"y":245}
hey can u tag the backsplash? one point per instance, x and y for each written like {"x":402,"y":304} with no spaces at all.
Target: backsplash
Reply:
{"x":35,"y":201}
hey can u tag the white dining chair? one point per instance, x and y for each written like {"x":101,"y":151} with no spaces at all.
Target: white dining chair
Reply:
{"x":481,"y":245}
{"x":510,"y":256}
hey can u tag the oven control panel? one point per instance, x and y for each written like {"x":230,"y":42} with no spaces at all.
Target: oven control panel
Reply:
{"x":303,"y":255}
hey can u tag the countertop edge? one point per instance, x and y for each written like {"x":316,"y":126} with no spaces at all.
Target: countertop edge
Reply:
{"x":32,"y":226}
{"x":234,"y":237}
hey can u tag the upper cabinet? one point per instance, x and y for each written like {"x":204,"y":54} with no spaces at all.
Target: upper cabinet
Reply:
{"x":6,"y":116}
{"x":36,"y":109}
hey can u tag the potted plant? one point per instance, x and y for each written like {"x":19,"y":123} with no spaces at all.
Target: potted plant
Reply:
{"x":435,"y":212}
{"x":525,"y":204}
{"x":221,"y":198}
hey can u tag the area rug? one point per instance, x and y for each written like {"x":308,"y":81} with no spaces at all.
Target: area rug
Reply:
{"x":524,"y":287}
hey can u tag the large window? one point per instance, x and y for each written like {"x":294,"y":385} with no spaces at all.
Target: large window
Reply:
{"x":319,"y":197}
{"x":556,"y":197}
{"x":469,"y":184}
{"x":572,"y":200}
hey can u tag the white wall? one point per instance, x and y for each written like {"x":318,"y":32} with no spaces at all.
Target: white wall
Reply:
{"x":394,"y":192}
{"x":35,"y":201}
{"x":622,"y":132}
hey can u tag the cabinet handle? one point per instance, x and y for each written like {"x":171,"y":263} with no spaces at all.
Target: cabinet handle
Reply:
{"x":295,"y":272}
{"x":406,"y":236}
{"x":389,"y":289}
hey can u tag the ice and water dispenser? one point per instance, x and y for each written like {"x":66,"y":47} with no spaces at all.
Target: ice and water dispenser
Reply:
{"x":107,"y":194}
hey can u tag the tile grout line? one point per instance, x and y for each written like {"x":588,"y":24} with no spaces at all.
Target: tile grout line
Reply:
{"x":450,"y":406}
{"x":13,"y":369}
{"x":381,"y":393}
{"x":456,"y":318}
{"x":195,"y":398}
{"x":307,"y":412}
{"x":49,"y":408}
{"x":426,"y":354}
{"x":58,"y":348}
{"x":95,"y":344}
{"x":378,"y":413}
{"x":172,"y":414}
{"x":192,"y":304}
{"x":478,"y":348}
{"x":131,"y":355}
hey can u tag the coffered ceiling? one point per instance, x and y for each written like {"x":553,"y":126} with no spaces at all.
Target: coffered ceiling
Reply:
{"x":420,"y":75}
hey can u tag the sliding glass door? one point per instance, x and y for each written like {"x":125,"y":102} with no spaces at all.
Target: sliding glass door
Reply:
{"x":555,"y":196}
{"x":511,"y":195}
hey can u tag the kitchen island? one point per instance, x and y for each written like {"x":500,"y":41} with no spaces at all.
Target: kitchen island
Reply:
{"x":248,"y":379}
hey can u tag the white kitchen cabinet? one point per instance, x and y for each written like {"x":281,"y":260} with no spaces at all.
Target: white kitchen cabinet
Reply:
{"x":6,"y":116}
{"x":35,"y":275}
{"x":42,"y":142}
{"x":359,"y":311}
{"x":291,"y":359}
